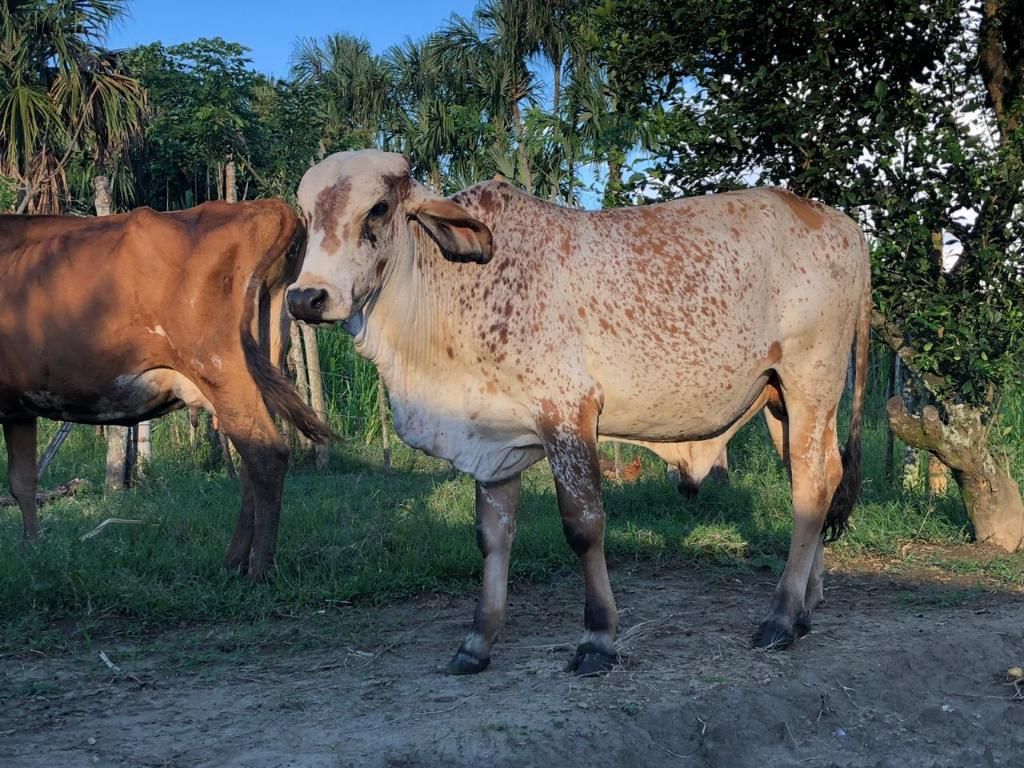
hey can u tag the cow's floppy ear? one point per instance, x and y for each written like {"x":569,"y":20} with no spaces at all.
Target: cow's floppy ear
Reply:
{"x":460,"y":237}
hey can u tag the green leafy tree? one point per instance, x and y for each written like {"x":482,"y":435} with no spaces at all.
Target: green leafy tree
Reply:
{"x":202,"y":95}
{"x":908,"y":116}
{"x":62,"y":96}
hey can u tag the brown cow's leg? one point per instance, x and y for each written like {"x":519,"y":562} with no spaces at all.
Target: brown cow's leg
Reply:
{"x":20,"y":437}
{"x":571,"y":447}
{"x":265,"y":460}
{"x":496,"y":505}
{"x":237,"y":558}
{"x":244,"y":418}
{"x":814,"y":460}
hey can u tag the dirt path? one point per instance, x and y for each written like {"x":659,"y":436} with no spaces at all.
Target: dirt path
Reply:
{"x":892,"y":675}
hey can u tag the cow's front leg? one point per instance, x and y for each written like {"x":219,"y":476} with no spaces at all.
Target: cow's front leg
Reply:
{"x":571,"y":446}
{"x":20,"y":437}
{"x":496,"y":505}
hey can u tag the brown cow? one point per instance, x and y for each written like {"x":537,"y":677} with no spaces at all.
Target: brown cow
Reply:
{"x":118,"y":319}
{"x":664,"y":323}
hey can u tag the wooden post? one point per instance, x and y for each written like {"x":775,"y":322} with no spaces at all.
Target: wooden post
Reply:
{"x":117,"y":437}
{"x":144,"y":441}
{"x":298,"y":364}
{"x":316,"y":388}
{"x":117,"y":458}
{"x":385,"y":436}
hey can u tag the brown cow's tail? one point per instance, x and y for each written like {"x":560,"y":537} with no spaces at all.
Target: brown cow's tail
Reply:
{"x":280,"y":395}
{"x":837,"y":520}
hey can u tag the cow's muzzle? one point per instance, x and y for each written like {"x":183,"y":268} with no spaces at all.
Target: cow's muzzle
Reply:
{"x":307,"y":304}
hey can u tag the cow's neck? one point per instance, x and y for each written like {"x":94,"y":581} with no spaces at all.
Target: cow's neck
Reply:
{"x":406,"y":323}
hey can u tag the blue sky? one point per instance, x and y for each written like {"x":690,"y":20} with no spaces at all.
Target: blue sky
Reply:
{"x":271,"y":28}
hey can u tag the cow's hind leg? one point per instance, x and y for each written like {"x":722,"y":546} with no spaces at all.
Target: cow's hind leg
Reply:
{"x":265,"y":461}
{"x":264,"y":457}
{"x":20,"y":437}
{"x":816,"y":469}
{"x":496,"y":505}
{"x":571,"y":446}
{"x":237,"y":558}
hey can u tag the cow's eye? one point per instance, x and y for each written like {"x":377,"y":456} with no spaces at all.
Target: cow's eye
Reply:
{"x":379,"y":209}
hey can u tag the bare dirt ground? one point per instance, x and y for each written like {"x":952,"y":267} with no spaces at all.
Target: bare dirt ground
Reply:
{"x":895,"y":673}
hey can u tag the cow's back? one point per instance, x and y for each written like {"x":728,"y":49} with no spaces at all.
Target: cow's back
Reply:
{"x":673,"y":311}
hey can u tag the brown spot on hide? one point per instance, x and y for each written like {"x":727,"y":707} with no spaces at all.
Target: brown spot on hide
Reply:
{"x":807,"y":211}
{"x":329,"y":204}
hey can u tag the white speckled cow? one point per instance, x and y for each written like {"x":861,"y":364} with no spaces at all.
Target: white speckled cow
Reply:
{"x":663,"y":323}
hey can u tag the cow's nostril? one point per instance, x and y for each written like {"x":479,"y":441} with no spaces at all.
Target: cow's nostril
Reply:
{"x":307,"y":303}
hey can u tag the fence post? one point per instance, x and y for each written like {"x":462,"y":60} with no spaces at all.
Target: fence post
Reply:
{"x":316,"y":388}
{"x":385,"y":436}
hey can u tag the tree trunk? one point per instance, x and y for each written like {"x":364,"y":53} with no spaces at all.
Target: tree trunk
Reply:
{"x":891,"y":388}
{"x":525,"y":177}
{"x":991,"y":496}
{"x":613,"y":188}
{"x":316,"y":388}
{"x":103,"y":201}
{"x":27,"y":193}
{"x":230,"y":187}
{"x":556,"y":88}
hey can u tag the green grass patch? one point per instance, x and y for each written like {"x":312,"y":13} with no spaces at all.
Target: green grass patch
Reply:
{"x":354,"y":535}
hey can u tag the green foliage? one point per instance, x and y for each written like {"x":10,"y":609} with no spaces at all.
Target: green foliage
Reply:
{"x":876,"y":107}
{"x":8,"y":193}
{"x":63,"y":98}
{"x":202,"y":96}
{"x":356,"y":534}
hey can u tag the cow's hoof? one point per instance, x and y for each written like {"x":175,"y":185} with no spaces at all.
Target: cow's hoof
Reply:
{"x":802,"y":627}
{"x":591,"y":660}
{"x":773,"y":636}
{"x":237,"y":565}
{"x":464,"y":663}
{"x":258,"y":574}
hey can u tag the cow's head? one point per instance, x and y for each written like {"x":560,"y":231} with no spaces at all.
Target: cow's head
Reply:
{"x":359,"y":208}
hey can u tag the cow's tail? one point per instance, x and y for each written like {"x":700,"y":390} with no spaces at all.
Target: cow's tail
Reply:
{"x":280,"y":395}
{"x":838,"y":517}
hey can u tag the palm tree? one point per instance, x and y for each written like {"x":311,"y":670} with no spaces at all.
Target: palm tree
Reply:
{"x":492,"y":50}
{"x":437,"y":119}
{"x":61,"y":95}
{"x":355,"y":86}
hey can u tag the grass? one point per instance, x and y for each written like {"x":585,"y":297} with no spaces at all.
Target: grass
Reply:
{"x":354,"y":535}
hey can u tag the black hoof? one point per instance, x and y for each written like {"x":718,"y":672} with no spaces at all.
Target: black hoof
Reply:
{"x":590,"y":660}
{"x":802,"y":627}
{"x":773,"y":636}
{"x":464,"y":663}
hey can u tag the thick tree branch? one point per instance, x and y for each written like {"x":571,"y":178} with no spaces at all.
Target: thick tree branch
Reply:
{"x":927,"y":433}
{"x":891,"y":334}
